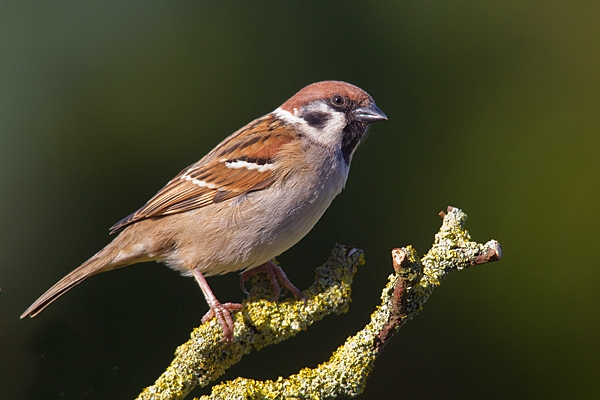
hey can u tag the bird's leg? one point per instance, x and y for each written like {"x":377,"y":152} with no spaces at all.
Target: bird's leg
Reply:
{"x":274,"y":272}
{"x":221,"y":311}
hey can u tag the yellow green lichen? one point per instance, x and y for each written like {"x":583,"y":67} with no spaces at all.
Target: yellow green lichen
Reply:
{"x":203,"y":358}
{"x":261,"y":322}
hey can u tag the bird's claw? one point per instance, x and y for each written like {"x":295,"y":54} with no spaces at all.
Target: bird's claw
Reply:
{"x":223,"y":314}
{"x":275,"y":274}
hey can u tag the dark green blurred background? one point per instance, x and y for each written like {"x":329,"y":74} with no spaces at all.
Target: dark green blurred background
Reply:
{"x":493,"y":107}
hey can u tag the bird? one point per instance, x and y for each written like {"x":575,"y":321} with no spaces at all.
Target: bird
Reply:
{"x":255,"y":195}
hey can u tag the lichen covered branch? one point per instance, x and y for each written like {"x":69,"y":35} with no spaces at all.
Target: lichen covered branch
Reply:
{"x":346,"y":372}
{"x":261,"y":322}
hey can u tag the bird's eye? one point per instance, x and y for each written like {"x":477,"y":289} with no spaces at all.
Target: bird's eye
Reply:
{"x":338,"y":100}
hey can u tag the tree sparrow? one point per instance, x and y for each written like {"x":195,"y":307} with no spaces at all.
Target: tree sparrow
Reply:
{"x":251,"y":198}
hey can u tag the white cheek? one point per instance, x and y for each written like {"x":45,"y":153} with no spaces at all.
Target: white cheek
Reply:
{"x":330,"y":135}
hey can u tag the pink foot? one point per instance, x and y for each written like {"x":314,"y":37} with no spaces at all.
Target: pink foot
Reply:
{"x":221,"y":311}
{"x":223,"y":314}
{"x":274,"y":272}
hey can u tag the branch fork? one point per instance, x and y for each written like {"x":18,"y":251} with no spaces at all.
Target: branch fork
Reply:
{"x":262,"y":322}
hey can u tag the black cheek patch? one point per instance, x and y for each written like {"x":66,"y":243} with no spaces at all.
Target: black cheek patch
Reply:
{"x":316,"y":119}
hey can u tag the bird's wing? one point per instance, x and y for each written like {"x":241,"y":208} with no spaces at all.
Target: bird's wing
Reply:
{"x":242,"y":163}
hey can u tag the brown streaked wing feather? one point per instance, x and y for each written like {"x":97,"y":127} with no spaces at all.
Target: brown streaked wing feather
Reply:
{"x":260,"y":140}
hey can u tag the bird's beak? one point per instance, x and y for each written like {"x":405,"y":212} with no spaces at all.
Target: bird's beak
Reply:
{"x":369,"y":114}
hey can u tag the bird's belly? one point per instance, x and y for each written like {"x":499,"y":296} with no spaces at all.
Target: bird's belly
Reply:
{"x":249,"y":230}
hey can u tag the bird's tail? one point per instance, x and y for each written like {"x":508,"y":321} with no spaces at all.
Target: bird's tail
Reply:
{"x":106,"y":259}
